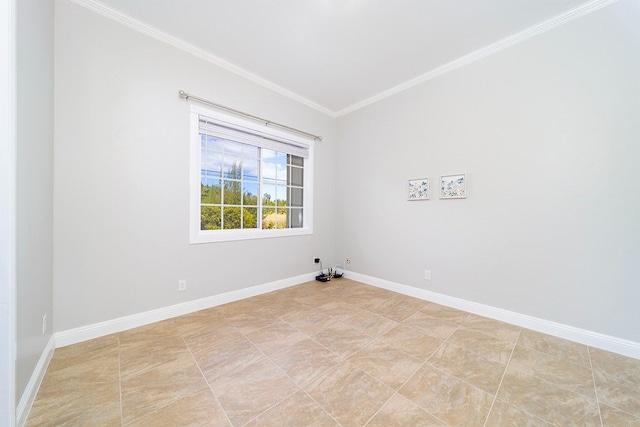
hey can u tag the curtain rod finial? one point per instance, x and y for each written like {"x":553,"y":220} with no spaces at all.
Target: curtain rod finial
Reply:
{"x":183,"y":94}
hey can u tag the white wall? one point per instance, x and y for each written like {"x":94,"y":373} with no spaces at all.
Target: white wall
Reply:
{"x":121,"y":176}
{"x":34,"y":183}
{"x":547,"y":132}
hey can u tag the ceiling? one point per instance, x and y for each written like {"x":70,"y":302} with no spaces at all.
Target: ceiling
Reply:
{"x":338,"y":54}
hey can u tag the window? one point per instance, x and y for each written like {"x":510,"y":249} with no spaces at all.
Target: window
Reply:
{"x":248,"y":181}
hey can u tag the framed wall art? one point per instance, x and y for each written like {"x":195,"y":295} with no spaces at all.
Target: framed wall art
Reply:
{"x":453,"y":186}
{"x":418,"y":189}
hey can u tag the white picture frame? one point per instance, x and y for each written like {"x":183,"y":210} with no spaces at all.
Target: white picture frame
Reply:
{"x":453,"y":186}
{"x":418,"y":189}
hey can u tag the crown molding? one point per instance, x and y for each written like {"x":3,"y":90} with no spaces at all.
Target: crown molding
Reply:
{"x":148,"y":30}
{"x":476,"y":55}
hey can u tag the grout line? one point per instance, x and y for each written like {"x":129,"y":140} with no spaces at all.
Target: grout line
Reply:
{"x":120,"y":383}
{"x":412,"y":375}
{"x":224,"y":411}
{"x":381,"y":406}
{"x":510,"y":404}
{"x":292,"y":381}
{"x":409,"y":378}
{"x":458,"y":326}
{"x":275,"y":404}
{"x":595,"y":388}
{"x":441,"y":344}
{"x":506,"y":367}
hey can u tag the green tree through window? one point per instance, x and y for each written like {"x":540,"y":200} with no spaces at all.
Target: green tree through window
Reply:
{"x":233,"y":174}
{"x":247,"y":181}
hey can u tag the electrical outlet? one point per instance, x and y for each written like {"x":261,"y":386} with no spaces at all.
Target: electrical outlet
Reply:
{"x":182,"y":285}
{"x":347,"y":261}
{"x":427,"y":274}
{"x":44,"y":324}
{"x":316,"y":260}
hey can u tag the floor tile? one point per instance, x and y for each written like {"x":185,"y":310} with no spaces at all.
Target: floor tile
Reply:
{"x":369,"y":299}
{"x":493,"y":328}
{"x":158,"y":387}
{"x":350,"y":395}
{"x":468,"y":366}
{"x":338,"y":310}
{"x":139,"y":357}
{"x":304,"y":361}
{"x":198,"y":321}
{"x":554,"y":369}
{"x":249,"y":392}
{"x":255,"y":319}
{"x":615,"y":366}
{"x":316,"y":294}
{"x":272,"y":338}
{"x":614,"y":417}
{"x":235,"y":308}
{"x":557,"y":347}
{"x":618,"y":392}
{"x":548,"y":401}
{"x":198,"y":409}
{"x":309,"y":321}
{"x":445,"y":313}
{"x":492,"y":348}
{"x":69,"y":404}
{"x":295,"y":411}
{"x":201,"y":339}
{"x":282,"y":308}
{"x":385,"y":363}
{"x":401,"y":412}
{"x":151,"y":332}
{"x":504,"y":415}
{"x":448,"y":398}
{"x":342,"y":339}
{"x":371,"y":323}
{"x":92,"y":367}
{"x":399,"y":307}
{"x":227,"y":358}
{"x":412,"y":341}
{"x":430,"y":325}
{"x":72,"y":354}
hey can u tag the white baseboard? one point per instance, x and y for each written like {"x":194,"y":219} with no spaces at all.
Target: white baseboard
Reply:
{"x":96,"y":330}
{"x":30,"y":392}
{"x":583,"y":336}
{"x":593,"y":339}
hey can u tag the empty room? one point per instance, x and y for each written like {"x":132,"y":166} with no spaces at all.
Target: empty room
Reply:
{"x":320,"y":213}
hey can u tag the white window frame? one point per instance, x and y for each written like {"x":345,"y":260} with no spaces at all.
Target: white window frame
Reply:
{"x":196,"y":235}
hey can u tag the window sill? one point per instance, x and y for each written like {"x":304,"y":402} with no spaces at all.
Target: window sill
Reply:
{"x":234,"y":235}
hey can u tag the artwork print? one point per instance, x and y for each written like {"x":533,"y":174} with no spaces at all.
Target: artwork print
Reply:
{"x":418,"y":189}
{"x":453,"y":186}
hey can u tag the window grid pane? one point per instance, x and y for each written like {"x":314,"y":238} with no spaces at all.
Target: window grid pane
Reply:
{"x":248,"y":187}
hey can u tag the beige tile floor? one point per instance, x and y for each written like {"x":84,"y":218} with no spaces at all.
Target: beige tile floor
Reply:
{"x":336,"y":354}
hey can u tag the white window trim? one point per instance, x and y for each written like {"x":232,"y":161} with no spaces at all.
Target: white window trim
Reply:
{"x":196,"y":235}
